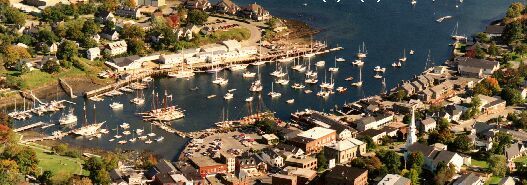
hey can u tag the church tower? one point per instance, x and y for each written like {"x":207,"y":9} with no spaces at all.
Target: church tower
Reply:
{"x":411,"y":138}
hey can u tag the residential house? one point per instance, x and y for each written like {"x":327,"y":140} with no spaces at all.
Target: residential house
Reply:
{"x":271,"y":157}
{"x":494,"y":30}
{"x":96,"y":38}
{"x":507,"y":181}
{"x":434,"y":156}
{"x":270,"y":139}
{"x":313,"y":140}
{"x":206,"y":166}
{"x":371,"y":122}
{"x":249,"y":165}
{"x":154,"y":3}
{"x":440,"y":70}
{"x":117,"y":178}
{"x":344,"y":151}
{"x":226,"y":7}
{"x":93,"y":53}
{"x":394,"y":179}
{"x":110,"y":35}
{"x":473,"y":67}
{"x":288,"y":151}
{"x":491,"y":105}
{"x":454,"y":111}
{"x":514,"y":151}
{"x":427,"y":125}
{"x":341,"y":174}
{"x":116,"y":48}
{"x":375,"y":134}
{"x":198,"y":4}
{"x":104,"y":16}
{"x":130,"y":12}
{"x":255,"y":12}
{"x":469,"y":179}
{"x":228,"y":159}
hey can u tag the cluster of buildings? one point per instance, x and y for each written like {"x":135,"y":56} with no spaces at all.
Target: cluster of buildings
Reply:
{"x":253,"y":11}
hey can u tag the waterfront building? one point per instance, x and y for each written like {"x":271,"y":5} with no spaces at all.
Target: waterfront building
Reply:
{"x":344,"y":151}
{"x":125,"y":63}
{"x":198,"y":4}
{"x":206,"y":166}
{"x":341,"y":174}
{"x":226,"y":7}
{"x":313,"y":140}
{"x":255,"y":12}
{"x":116,"y":48}
{"x":394,"y":179}
{"x":171,"y":59}
{"x":271,"y":157}
{"x":494,"y":30}
{"x":93,"y":53}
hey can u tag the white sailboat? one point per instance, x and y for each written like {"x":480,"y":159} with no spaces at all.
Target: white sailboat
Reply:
{"x":362,"y":53}
{"x":340,"y":59}
{"x":249,"y":99}
{"x":116,"y":106}
{"x":335,"y":68}
{"x":403,"y":59}
{"x":151,"y":134}
{"x":358,"y":62}
{"x":274,"y":94}
{"x":297,"y":86}
{"x":397,"y":64}
{"x":379,"y":69}
{"x":228,"y":96}
{"x":256,"y":86}
{"x":377,"y":76}
{"x":455,"y":35}
{"x":359,"y":83}
{"x":69,"y":118}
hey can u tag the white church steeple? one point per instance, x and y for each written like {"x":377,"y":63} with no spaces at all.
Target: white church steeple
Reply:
{"x":411,"y":138}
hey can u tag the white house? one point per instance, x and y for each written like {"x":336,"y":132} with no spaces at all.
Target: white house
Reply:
{"x":172,"y":59}
{"x":117,"y":48}
{"x":272,"y":158}
{"x":125,"y":63}
{"x":96,"y":38}
{"x":434,"y":156}
{"x":371,"y":122}
{"x":247,"y":51}
{"x":93,"y":53}
{"x":53,"y":48}
{"x":428,"y":125}
{"x":112,"y":35}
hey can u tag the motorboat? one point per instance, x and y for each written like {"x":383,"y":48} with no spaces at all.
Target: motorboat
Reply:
{"x":228,"y":96}
{"x":441,"y":19}
{"x":307,"y":91}
{"x":379,"y":69}
{"x":248,"y":74}
{"x":396,"y":64}
{"x":290,"y":101}
{"x":104,"y":131}
{"x":377,"y":76}
{"x":258,"y":63}
{"x":138,"y":101}
{"x":127,"y":132}
{"x":139,"y":131}
{"x":349,"y":78}
{"x":125,"y":126}
{"x":323,"y":93}
{"x":147,"y":79}
{"x":159,"y":139}
{"x":231,"y":90}
{"x":320,"y":63}
{"x":341,"y":89}
{"x":116,"y":106}
{"x":413,"y":2}
{"x":122,"y":142}
{"x":211,"y":96}
{"x":412,"y":52}
{"x":340,"y":60}
{"x":358,"y":62}
{"x":298,"y":86}
{"x":148,"y":141}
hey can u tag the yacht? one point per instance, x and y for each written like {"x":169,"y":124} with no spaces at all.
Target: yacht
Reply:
{"x":211,"y":96}
{"x":116,"y":105}
{"x":441,"y":19}
{"x":323,"y":93}
{"x":256,"y":86}
{"x":122,"y":142}
{"x":220,"y":81}
{"x":358,"y":62}
{"x":272,"y":93}
{"x":148,"y":141}
{"x":359,"y":83}
{"x":69,"y":118}
{"x":349,"y":78}
{"x":142,"y":137}
{"x":311,"y":81}
{"x":238,"y":67}
{"x":228,"y":96}
{"x":182,"y":74}
{"x":335,"y":68}
{"x":290,"y":101}
{"x":340,"y":60}
{"x":125,"y":125}
{"x":88,"y":130}
{"x":413,"y":2}
{"x":307,"y":91}
{"x":248,"y":74}
{"x":320,"y":63}
{"x":455,"y":35}
{"x":258,"y":63}
{"x":412,"y":52}
{"x":379,"y":69}
{"x":249,"y":99}
{"x":341,"y":89}
{"x":132,"y":140}
{"x":139,"y":131}
{"x":159,"y":139}
{"x":214,"y":69}
{"x":377,"y":76}
{"x":138,"y":101}
{"x":231,"y":90}
{"x":298,"y":86}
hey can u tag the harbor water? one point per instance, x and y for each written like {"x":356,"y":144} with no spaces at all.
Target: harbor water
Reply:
{"x":386,"y":28}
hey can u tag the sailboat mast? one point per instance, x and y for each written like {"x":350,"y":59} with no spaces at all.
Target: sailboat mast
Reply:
{"x":94,"y":118}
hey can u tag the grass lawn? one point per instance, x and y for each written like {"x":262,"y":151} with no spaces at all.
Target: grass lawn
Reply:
{"x":482,"y":164}
{"x":522,"y":159}
{"x":62,"y":167}
{"x":493,"y":180}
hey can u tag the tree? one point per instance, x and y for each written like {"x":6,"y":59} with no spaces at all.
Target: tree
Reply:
{"x":13,"y":54}
{"x":132,"y":32}
{"x":512,"y":96}
{"x":416,"y":160}
{"x":9,"y":172}
{"x":60,"y":148}
{"x":74,"y":29}
{"x":519,"y":120}
{"x":197,"y":17}
{"x":51,"y":66}
{"x":483,"y":37}
{"x":501,"y":141}
{"x":25,"y":158}
{"x":443,"y":124}
{"x":370,"y":144}
{"x":493,"y":50}
{"x":136,"y":47}
{"x":515,"y":10}
{"x":46,"y":35}
{"x":67,"y":50}
{"x":53,"y":14}
{"x":45,"y":178}
{"x":498,"y":165}
{"x":391,"y":160}
{"x":513,"y":32}
{"x":413,"y":175}
{"x":322,"y":161}
{"x":462,"y":143}
{"x":444,"y":173}
{"x":480,"y":53}
{"x":77,"y":181}
{"x":14,"y":16}
{"x":90,"y":27}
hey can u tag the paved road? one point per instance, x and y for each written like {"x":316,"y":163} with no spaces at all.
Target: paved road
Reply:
{"x":256,"y":33}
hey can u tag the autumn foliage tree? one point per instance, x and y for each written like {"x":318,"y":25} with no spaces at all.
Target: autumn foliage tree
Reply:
{"x":489,"y":87}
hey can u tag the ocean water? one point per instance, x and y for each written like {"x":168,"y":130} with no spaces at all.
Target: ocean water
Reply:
{"x":386,"y":27}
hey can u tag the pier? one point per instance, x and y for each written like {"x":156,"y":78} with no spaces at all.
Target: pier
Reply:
{"x":27,"y":127}
{"x":66,"y":87}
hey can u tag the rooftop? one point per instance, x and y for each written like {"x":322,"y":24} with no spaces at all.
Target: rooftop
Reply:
{"x":316,"y":133}
{"x":345,"y":144}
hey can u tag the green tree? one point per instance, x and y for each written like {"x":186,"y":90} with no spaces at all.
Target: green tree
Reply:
{"x":444,"y":173}
{"x":13,"y":54}
{"x":25,"y":158}
{"x":322,"y":161}
{"x":391,"y":160}
{"x":462,"y":143}
{"x":483,"y":37}
{"x":512,"y":96}
{"x":515,"y":10}
{"x":501,"y":141}
{"x":197,"y":17}
{"x":416,"y":160}
{"x":67,"y":50}
{"x":51,"y":67}
{"x":60,"y":148}
{"x":513,"y":32}
{"x":480,"y":53}
{"x":493,"y":50}
{"x":137,"y":47}
{"x":370,"y":144}
{"x":14,"y":16}
{"x":413,"y":175}
{"x":9,"y":172}
{"x":90,"y":27}
{"x":45,"y":178}
{"x":132,"y":31}
{"x":498,"y":165}
{"x":46,"y":35}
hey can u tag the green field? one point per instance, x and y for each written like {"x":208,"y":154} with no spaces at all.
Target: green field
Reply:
{"x":62,"y":167}
{"x":482,"y":164}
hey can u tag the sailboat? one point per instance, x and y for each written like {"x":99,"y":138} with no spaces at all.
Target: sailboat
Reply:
{"x":397,"y":64}
{"x":359,"y":83}
{"x":404,"y":56}
{"x":151,"y":134}
{"x":455,"y":36}
{"x":379,"y":69}
{"x":272,"y":93}
{"x":69,"y":118}
{"x":256,"y":86}
{"x":413,"y":2}
{"x":297,"y":86}
{"x":283,"y":81}
{"x":335,"y":68}
{"x":220,"y":81}
{"x":139,"y":99}
{"x":362,"y":53}
{"x":88,"y":129}
{"x":340,"y":59}
{"x":377,"y":76}
{"x":310,"y":54}
{"x":249,"y":99}
{"x":117,"y":133}
{"x":358,"y":62}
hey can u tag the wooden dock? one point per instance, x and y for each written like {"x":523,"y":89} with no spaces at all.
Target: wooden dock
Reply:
{"x":27,"y":127}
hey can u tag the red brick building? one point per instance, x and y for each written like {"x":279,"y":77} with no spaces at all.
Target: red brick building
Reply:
{"x":206,"y":166}
{"x":313,"y":140}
